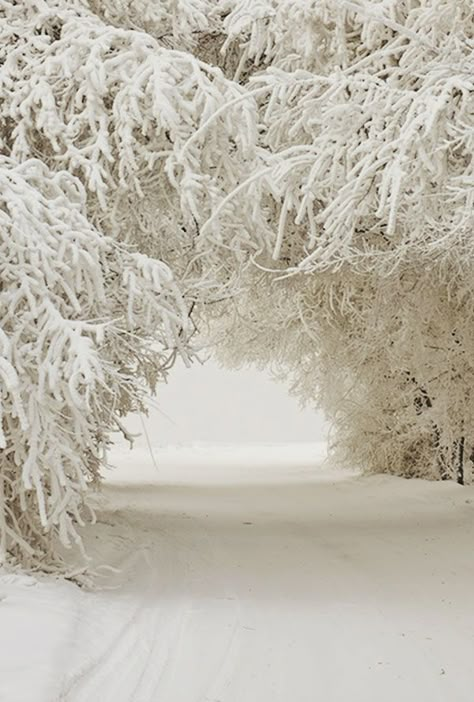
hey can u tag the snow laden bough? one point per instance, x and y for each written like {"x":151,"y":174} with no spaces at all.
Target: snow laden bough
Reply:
{"x":125,"y":115}
{"x":362,"y":212}
{"x":85,"y":327}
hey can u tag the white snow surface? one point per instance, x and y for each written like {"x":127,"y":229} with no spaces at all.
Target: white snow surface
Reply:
{"x":253,"y":574}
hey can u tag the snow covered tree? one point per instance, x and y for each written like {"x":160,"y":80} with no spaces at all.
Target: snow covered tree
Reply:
{"x":359,"y":220}
{"x":76,"y":352}
{"x":98,"y":225}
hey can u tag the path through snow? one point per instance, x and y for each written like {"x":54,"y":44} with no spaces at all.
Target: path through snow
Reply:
{"x":260,"y":578}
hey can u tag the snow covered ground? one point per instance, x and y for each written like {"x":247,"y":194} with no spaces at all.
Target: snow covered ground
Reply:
{"x":253,"y":574}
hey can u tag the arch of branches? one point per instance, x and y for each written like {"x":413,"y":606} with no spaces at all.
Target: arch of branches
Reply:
{"x":290,"y":182}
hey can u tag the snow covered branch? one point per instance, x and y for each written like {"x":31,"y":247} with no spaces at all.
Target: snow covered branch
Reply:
{"x":115,"y":108}
{"x":362,"y":206}
{"x":85,"y":326}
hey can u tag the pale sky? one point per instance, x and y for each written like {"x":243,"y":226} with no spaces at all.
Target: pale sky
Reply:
{"x":209,"y":404}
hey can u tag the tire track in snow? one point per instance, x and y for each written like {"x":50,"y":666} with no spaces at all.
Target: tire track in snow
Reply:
{"x":143,"y":660}
{"x":115,"y":670}
{"x":195,"y":645}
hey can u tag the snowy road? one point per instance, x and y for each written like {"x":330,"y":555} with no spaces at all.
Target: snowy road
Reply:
{"x":275,"y":582}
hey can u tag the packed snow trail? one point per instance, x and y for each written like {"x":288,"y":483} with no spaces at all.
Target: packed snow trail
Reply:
{"x":271,"y":580}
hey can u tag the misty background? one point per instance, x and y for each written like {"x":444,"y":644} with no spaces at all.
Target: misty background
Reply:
{"x":209,"y":404}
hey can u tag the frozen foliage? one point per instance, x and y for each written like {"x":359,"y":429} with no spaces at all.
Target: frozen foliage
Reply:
{"x":85,"y":325}
{"x":116,"y":109}
{"x":174,"y":22}
{"x":363,"y":203}
{"x":102,"y":150}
